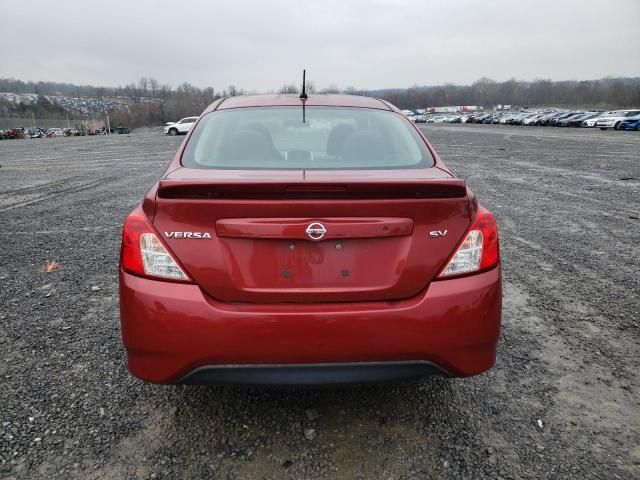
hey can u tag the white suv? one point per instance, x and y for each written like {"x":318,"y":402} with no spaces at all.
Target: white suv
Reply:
{"x":614,"y":119}
{"x":181,"y":126}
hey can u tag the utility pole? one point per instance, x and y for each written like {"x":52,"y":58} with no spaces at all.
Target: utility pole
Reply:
{"x":108,"y":124}
{"x":33,"y":120}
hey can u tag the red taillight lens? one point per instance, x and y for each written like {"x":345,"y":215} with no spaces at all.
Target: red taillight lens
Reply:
{"x":486,"y":223}
{"x":480,"y":249}
{"x":143,"y":253}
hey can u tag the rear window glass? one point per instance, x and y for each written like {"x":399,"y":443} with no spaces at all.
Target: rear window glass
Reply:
{"x":329,"y":138}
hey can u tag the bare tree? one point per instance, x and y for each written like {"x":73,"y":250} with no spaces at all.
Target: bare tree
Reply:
{"x":288,"y":89}
{"x":310,"y":87}
{"x":143,"y":85}
{"x":351,"y":90}
{"x":154,"y":85}
{"x":331,"y":89}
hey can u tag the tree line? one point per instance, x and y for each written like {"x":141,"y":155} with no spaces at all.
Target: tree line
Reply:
{"x":150,"y":102}
{"x":605,"y":93}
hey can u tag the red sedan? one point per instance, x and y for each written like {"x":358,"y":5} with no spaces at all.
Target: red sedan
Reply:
{"x":317,"y":241}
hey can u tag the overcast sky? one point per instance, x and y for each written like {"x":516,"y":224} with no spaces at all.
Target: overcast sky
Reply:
{"x":260,"y":45}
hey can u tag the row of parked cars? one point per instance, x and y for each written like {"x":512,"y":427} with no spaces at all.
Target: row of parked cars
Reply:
{"x":20,"y":133}
{"x":618,"y":119}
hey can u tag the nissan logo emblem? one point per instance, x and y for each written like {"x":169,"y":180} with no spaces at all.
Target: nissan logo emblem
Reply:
{"x":316,"y":231}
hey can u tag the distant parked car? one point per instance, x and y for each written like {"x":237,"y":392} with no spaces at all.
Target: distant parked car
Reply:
{"x":548,"y":120}
{"x":70,"y":132}
{"x":555,"y":121}
{"x":34,"y":133}
{"x":578,"y":121}
{"x":481,"y":117}
{"x":565,"y":121}
{"x":532,"y":120}
{"x":543,"y":119}
{"x":632,"y":123}
{"x":615,"y":118}
{"x":590,"y":122}
{"x":517,"y":119}
{"x":180,"y":127}
{"x":55,"y":132}
{"x":14,"y":134}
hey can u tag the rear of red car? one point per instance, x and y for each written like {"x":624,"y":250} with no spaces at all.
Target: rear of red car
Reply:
{"x":328,"y":246}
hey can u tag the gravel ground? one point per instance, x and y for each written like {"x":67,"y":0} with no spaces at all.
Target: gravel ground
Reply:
{"x":562,"y":402}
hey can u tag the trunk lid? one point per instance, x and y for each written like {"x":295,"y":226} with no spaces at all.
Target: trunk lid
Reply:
{"x":308,"y":236}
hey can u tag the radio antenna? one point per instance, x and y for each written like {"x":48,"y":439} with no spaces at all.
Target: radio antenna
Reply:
{"x":303,"y":95}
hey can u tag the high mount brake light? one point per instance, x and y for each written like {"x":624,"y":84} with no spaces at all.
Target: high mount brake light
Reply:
{"x":143,"y":253}
{"x":479,"y":251}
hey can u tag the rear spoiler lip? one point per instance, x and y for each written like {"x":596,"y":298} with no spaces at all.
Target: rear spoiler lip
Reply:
{"x":207,"y":189}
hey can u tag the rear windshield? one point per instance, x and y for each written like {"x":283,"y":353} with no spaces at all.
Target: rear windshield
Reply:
{"x":329,"y":138}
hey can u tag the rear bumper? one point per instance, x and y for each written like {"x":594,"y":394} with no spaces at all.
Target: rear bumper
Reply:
{"x":176,"y":333}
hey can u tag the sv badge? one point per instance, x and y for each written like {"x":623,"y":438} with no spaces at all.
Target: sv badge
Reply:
{"x":437,"y":233}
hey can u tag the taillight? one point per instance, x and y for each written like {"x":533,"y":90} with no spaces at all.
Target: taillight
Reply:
{"x":143,"y":253}
{"x":480,"y":249}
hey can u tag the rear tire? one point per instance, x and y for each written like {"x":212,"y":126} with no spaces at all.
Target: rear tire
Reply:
{"x":173,"y":131}
{"x":616,"y":126}
{"x":638,"y":127}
